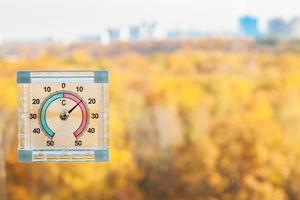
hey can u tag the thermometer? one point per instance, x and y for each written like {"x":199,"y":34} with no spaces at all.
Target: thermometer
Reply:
{"x":63,"y":116}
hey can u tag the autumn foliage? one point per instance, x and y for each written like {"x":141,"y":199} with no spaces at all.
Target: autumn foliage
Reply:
{"x":208,"y":119}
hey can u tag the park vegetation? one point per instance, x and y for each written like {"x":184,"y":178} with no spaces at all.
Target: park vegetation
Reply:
{"x":207,"y":119}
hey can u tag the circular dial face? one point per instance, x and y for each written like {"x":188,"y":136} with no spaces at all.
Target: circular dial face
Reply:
{"x":66,"y":115}
{"x":64,"y":111}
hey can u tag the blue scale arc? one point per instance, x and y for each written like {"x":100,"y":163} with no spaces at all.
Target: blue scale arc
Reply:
{"x":45,"y":126}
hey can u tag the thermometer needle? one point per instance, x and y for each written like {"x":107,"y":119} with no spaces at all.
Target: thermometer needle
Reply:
{"x":74,"y":107}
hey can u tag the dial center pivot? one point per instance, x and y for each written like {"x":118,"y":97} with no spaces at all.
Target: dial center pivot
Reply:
{"x":64,"y":114}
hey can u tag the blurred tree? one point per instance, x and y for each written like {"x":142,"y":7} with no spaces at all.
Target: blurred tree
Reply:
{"x":207,"y":119}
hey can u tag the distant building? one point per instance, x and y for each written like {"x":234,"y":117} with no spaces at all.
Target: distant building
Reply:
{"x":185,"y":34}
{"x":278,"y":28}
{"x":249,"y":27}
{"x":175,"y":34}
{"x":147,"y":30}
{"x":113,"y":34}
{"x":134,"y":32}
{"x":295,"y":28}
{"x":143,"y":31}
{"x":89,"y":38}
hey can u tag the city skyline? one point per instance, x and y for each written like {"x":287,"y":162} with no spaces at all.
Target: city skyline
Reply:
{"x":52,"y":18}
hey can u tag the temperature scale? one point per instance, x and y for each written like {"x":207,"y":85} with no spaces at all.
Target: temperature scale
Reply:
{"x":63,"y":116}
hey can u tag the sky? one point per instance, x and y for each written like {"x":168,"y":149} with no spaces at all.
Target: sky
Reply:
{"x":65,"y":19}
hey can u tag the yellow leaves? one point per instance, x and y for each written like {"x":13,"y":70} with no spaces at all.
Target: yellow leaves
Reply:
{"x":261,"y":110}
{"x":188,"y":94}
{"x":117,"y":126}
{"x":8,"y":93}
{"x":196,"y":122}
{"x":80,"y":56}
{"x":132,"y":61}
{"x":19,"y":192}
{"x":289,"y":61}
{"x":292,"y":80}
{"x":259,"y":190}
{"x":180,"y":62}
{"x":178,"y":91}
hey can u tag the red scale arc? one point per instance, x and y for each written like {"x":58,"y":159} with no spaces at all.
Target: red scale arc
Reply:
{"x":84,"y":120}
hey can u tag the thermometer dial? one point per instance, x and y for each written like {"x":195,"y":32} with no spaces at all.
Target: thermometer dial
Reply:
{"x":64,"y":109}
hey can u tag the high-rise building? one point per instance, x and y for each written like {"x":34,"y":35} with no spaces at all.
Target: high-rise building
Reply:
{"x":295,"y":28}
{"x":86,"y":38}
{"x":249,"y":27}
{"x":278,"y":28}
{"x":114,"y":34}
{"x":143,"y":31}
{"x":134,"y":32}
{"x":147,"y":30}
